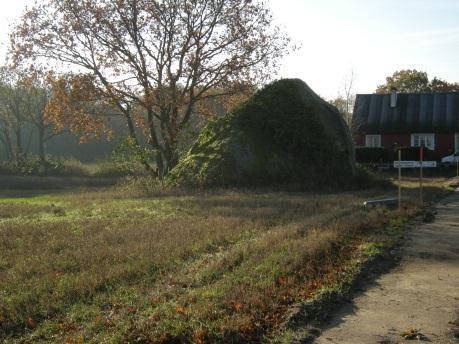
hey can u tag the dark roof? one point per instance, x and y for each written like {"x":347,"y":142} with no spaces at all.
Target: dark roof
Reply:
{"x":414,"y":113}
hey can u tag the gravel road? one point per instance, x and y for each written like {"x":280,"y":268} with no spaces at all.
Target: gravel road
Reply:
{"x":420,"y":296}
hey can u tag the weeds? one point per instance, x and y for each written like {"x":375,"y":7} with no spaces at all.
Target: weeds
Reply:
{"x":118,"y":266}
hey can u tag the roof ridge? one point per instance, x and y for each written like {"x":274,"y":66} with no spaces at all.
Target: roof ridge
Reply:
{"x":404,"y":93}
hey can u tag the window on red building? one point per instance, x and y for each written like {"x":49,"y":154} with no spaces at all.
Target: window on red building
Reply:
{"x":426,"y":140}
{"x":373,"y":140}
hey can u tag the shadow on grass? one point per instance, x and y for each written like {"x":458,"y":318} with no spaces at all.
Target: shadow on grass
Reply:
{"x":40,"y":184}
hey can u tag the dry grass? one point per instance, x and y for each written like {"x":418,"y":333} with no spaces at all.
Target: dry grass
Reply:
{"x":220,"y":266}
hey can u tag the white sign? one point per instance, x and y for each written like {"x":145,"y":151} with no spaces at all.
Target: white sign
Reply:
{"x":414,"y":164}
{"x":427,"y":164}
{"x":404,"y":164}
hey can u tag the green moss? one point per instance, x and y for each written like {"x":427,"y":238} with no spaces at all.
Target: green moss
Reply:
{"x":284,"y":134}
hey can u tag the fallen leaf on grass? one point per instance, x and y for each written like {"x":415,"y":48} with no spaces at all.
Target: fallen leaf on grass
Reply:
{"x":281,"y":280}
{"x":103,"y":319}
{"x":31,"y":323}
{"x":237,"y":307}
{"x":74,"y":341}
{"x":199,"y":336}
{"x":131,"y":309}
{"x":153,"y":317}
{"x":245,"y":328}
{"x":64,"y":327}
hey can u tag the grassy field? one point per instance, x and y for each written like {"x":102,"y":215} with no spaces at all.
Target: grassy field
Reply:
{"x":123,"y":265}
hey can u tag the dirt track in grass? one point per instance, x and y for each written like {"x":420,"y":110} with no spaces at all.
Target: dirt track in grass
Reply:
{"x":420,"y":295}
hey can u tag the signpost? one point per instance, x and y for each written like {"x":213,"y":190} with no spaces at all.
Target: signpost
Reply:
{"x":421,"y":159}
{"x":399,"y":178}
{"x":404,"y":164}
{"x":414,"y":164}
{"x":421,"y":164}
{"x":428,"y":164}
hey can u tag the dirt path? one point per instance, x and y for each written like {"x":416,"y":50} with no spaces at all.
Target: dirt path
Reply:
{"x":422,"y":292}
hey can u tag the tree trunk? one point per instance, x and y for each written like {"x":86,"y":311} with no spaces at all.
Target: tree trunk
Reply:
{"x":171,"y":155}
{"x":154,"y":142}
{"x":41,"y":145}
{"x":133,"y":135}
{"x":19,"y":151}
{"x":8,"y":144}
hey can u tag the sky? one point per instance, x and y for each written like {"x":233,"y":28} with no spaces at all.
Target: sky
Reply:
{"x":372,"y":38}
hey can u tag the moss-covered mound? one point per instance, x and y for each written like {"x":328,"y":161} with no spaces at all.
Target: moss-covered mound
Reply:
{"x":284,"y":134}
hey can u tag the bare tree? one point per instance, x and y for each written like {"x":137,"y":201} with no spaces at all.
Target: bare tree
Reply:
{"x":23,"y":101}
{"x":346,"y":98}
{"x":154,"y":61}
{"x":38,"y":96}
{"x":5,"y":134}
{"x":13,"y":100}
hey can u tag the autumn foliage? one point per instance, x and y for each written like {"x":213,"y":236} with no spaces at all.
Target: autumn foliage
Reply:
{"x":156,"y":63}
{"x":76,"y":105}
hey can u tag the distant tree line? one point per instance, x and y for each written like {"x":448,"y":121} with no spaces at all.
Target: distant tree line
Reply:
{"x":413,"y":81}
{"x":25,"y":129}
{"x":22,"y":107}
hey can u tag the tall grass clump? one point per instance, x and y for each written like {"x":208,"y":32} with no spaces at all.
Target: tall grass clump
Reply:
{"x":52,"y":166}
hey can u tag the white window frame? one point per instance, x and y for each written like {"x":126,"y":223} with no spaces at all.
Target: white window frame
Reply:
{"x":373,"y":140}
{"x":428,"y":140}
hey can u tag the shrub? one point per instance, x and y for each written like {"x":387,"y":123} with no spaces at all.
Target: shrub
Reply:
{"x":125,"y":160}
{"x":33,"y":166}
{"x":66,"y":167}
{"x":111,"y":169}
{"x":369,"y":155}
{"x":364,"y":178}
{"x":412,"y":153}
{"x":375,"y":155}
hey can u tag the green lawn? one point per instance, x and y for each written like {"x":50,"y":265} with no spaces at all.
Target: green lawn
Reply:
{"x":118,"y":266}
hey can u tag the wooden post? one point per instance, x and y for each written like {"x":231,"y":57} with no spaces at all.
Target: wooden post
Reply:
{"x":399,"y":178}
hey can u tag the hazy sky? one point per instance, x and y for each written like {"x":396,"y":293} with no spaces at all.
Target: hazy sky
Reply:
{"x":372,"y":37}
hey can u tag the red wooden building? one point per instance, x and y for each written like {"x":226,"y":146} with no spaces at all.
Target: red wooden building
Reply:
{"x":408,"y":120}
